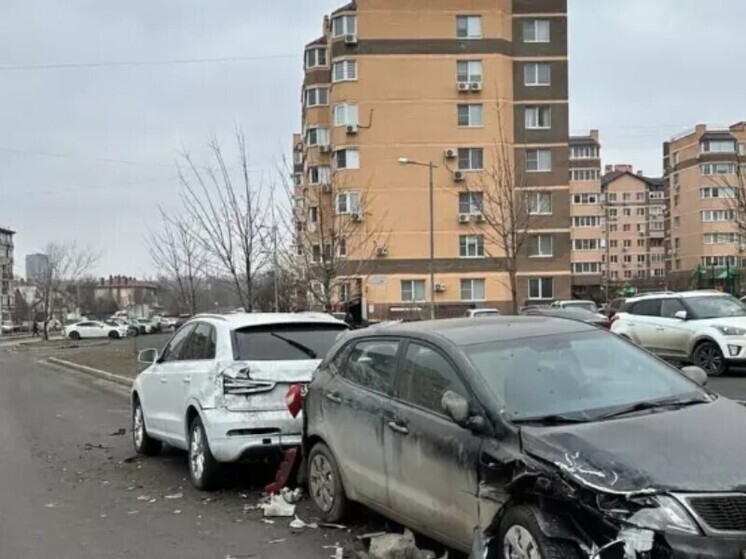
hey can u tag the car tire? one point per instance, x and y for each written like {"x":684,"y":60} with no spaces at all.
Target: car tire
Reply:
{"x":708,"y":356}
{"x":204,"y":470}
{"x":519,"y":533}
{"x":74,"y":336}
{"x":143,"y":443}
{"x":325,"y":484}
{"x":114,"y":335}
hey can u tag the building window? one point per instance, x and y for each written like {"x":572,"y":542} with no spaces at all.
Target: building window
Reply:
{"x":313,"y":214}
{"x":298,"y":158}
{"x":317,"y":137}
{"x":536,"y":31}
{"x":612,"y":198}
{"x":717,"y":146}
{"x":708,"y":169}
{"x":676,"y":200}
{"x":628,"y":274}
{"x":347,"y":203}
{"x":413,"y":290}
{"x":587,"y":221}
{"x":346,"y":114}
{"x":627,"y":196}
{"x":316,"y":253}
{"x":627,"y":212}
{"x":319,"y":175}
{"x":613,"y":212}
{"x":722,"y":261}
{"x":539,"y":203}
{"x":315,"y":57}
{"x":584,"y":152}
{"x":538,"y":117}
{"x":717,"y":192}
{"x":721,"y":238}
{"x":584,"y":175}
{"x":472,"y":290}
{"x":470,"y":115}
{"x":587,"y":198}
{"x":614,"y":258}
{"x":470,"y":202}
{"x":613,"y":243}
{"x":469,"y":71}
{"x":641,"y":212}
{"x":586,"y":268}
{"x":470,"y":159}
{"x":317,"y":96}
{"x":344,"y":70}
{"x":537,"y":74}
{"x":657,"y":195}
{"x":716,"y":215}
{"x":540,"y":246}
{"x":471,"y":246}
{"x":677,"y":221}
{"x":587,"y":244}
{"x":640,"y":196}
{"x":613,"y":228}
{"x":342,"y":248}
{"x":344,"y":25}
{"x":626,"y":228}
{"x":541,"y":288}
{"x":297,"y":179}
{"x":641,"y":258}
{"x":469,"y":27}
{"x":538,"y":160}
{"x":640,"y":243}
{"x":347,"y":158}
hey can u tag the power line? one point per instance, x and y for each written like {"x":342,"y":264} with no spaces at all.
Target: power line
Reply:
{"x":145,"y":63}
{"x":74,"y":156}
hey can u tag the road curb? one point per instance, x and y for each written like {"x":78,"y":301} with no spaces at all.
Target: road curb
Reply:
{"x":104,"y":375}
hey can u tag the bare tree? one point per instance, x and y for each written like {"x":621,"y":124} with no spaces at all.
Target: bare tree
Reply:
{"x":67,"y":263}
{"x":227,"y":217}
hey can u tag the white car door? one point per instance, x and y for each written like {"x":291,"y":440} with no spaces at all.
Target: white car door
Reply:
{"x":675,"y":334}
{"x":642,"y":322}
{"x":87,"y":329}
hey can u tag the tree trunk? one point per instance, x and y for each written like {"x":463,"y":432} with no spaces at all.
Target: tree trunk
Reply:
{"x":513,"y":289}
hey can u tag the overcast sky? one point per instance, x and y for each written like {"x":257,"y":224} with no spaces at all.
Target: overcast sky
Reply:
{"x":87,"y":152}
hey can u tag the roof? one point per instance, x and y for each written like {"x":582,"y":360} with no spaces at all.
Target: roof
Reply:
{"x":719,"y":135}
{"x":320,"y":41}
{"x":7,"y":230}
{"x":608,"y":178}
{"x":681,"y":294}
{"x":350,"y":7}
{"x":235,"y":321}
{"x":583,"y":140}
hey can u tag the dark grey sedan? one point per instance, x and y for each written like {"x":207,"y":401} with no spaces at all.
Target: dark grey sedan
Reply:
{"x":527,"y":437}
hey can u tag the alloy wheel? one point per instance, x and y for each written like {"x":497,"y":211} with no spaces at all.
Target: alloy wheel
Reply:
{"x":709,"y":358}
{"x":321,"y":482}
{"x":520,"y":544}
{"x":197,"y":453}
{"x":138,"y":426}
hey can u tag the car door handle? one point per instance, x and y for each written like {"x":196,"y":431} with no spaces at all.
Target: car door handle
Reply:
{"x":186,"y":380}
{"x":333,"y":397}
{"x":164,"y":379}
{"x":659,"y":328}
{"x":398,"y":427}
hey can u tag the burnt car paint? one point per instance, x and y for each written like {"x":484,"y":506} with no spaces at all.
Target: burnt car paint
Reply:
{"x":586,"y":483}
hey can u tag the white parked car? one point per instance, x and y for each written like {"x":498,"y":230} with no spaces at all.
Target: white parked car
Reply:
{"x":147,"y":323}
{"x":482,"y":313}
{"x":218,"y":389}
{"x":94,"y":329}
{"x":576,"y":304}
{"x":706,"y":328}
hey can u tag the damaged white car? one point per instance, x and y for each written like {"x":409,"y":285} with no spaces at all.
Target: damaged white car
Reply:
{"x":218,"y":388}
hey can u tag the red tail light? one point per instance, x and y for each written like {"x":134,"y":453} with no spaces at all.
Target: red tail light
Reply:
{"x":294,"y":399}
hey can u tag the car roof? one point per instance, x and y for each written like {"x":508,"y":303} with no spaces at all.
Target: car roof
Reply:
{"x":463,"y":332}
{"x":234,"y":321}
{"x":679,"y":295}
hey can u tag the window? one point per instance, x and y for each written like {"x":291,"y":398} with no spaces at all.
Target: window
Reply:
{"x":613,"y":243}
{"x":372,"y":365}
{"x":677,"y":243}
{"x":346,"y":114}
{"x":316,"y":253}
{"x":587,"y":221}
{"x":717,"y":192}
{"x":297,"y":179}
{"x":469,"y":71}
{"x":342,"y":253}
{"x":586,"y":198}
{"x":348,"y":203}
{"x":707,"y":169}
{"x":628,"y":274}
{"x":676,"y":200}
{"x":647,"y":307}
{"x":721,"y":238}
{"x":317,"y":96}
{"x":588,"y":244}
{"x":614,"y":258}
{"x":470,"y":115}
{"x":641,"y":259}
{"x":584,"y":152}
{"x":174,"y":348}
{"x":627,"y":259}
{"x":472,"y":290}
{"x":613,"y":228}
{"x":471,"y":246}
{"x":298,"y":157}
{"x":538,"y":160}
{"x":539,"y":203}
{"x":716,"y":215}
{"x":657,"y":195}
{"x":344,"y":70}
{"x":612,"y":198}
{"x":627,"y":196}
{"x":344,"y":25}
{"x":315,"y":57}
{"x":319,"y":175}
{"x":539,"y":117}
{"x":718,"y":146}
{"x":640,"y":196}
{"x":317,"y":137}
{"x":721,"y":261}
{"x":626,"y":228}
{"x":640,"y":243}
{"x":640,"y":227}
{"x":613,"y":212}
{"x":641,"y":212}
{"x":536,"y":31}
{"x":540,"y":288}
{"x":586,"y":268}
{"x":537,"y":74}
{"x":470,"y":202}
{"x":313,"y":214}
{"x":469,"y":27}
{"x":201,"y":344}
{"x":540,"y":246}
{"x":470,"y":159}
{"x":412,"y":290}
{"x":426,"y":376}
{"x":627,"y":212}
{"x":585,"y":175}
{"x":627,"y":243}
{"x":347,"y":158}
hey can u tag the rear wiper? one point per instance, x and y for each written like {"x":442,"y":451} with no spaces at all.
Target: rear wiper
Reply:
{"x":653,"y":405}
{"x":297,"y":345}
{"x":550,"y":420}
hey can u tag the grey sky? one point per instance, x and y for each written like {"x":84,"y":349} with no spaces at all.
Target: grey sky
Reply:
{"x":87,"y":154}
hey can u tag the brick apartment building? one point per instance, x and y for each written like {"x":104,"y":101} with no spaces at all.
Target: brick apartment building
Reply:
{"x":7,"y":289}
{"x":701,"y":166}
{"x":393,"y":79}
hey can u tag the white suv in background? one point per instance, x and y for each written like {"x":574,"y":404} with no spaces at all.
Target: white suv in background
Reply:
{"x":218,"y":388}
{"x":706,"y":328}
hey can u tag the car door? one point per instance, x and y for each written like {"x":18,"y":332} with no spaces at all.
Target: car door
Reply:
{"x":158,"y":380}
{"x":674,"y":334}
{"x":642,"y":321}
{"x":432,"y":462}
{"x":352,"y":405}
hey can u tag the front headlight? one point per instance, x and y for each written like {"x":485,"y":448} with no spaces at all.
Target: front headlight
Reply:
{"x":663,"y":514}
{"x":730,"y":330}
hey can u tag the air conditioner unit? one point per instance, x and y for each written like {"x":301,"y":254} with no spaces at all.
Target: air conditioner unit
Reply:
{"x":382,"y":251}
{"x":451,"y":153}
{"x":325,"y":149}
{"x":463,"y":218}
{"x":356,"y":217}
{"x":350,"y":39}
{"x":479,"y":218}
{"x":462,"y":86}
{"x":475,"y":86}
{"x":459,"y":176}
{"x":440,"y":288}
{"x":325,"y":188}
{"x":352,"y":129}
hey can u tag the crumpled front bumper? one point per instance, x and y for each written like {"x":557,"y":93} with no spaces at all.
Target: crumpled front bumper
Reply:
{"x":684,"y":546}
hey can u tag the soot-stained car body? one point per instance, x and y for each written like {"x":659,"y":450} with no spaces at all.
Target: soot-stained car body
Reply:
{"x":527,"y":437}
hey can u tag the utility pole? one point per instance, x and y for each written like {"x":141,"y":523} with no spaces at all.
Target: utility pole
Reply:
{"x":276,"y":270}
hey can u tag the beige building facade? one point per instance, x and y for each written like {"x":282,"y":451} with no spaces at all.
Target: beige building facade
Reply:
{"x":451,"y":86}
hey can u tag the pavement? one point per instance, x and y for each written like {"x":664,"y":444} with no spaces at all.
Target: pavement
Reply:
{"x":72,"y":489}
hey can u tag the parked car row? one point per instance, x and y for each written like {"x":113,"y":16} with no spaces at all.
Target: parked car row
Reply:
{"x":530,"y":436}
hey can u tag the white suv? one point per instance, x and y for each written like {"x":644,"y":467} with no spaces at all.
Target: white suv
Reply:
{"x":218,"y":388}
{"x":706,"y":328}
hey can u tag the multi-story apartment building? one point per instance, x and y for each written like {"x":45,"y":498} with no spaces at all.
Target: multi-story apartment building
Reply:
{"x":37,"y":266}
{"x":701,"y":172}
{"x":396,"y":83}
{"x":6,"y":273}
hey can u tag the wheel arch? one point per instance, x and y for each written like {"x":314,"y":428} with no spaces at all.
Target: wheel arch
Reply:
{"x":308,"y":444}
{"x":699,"y":340}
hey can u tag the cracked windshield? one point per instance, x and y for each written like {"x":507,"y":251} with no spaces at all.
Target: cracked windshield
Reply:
{"x":372,"y":279}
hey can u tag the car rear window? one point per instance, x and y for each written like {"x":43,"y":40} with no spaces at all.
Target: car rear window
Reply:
{"x":285,"y":342}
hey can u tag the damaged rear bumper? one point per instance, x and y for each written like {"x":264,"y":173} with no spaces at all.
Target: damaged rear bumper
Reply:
{"x":685,"y":546}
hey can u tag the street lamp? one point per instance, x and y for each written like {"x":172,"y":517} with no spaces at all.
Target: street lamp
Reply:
{"x":431,"y":167}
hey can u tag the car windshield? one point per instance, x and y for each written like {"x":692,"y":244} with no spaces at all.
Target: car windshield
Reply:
{"x":586,"y":375}
{"x":285,"y":342}
{"x":586,"y":305}
{"x":716,"y":306}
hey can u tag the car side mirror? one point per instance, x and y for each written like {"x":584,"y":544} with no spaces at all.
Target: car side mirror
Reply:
{"x":456,"y":407}
{"x":148,"y":356}
{"x":695,"y":374}
{"x":681,"y":315}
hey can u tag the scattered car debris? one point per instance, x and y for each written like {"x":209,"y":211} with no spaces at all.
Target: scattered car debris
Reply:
{"x":335,"y":526}
{"x":277,"y":541}
{"x":277,"y":506}
{"x":177,"y":511}
{"x":51,"y":506}
{"x":268,"y":521}
{"x":244,"y":556}
{"x":98,"y":446}
{"x":339,"y":551}
{"x":144,"y":498}
{"x":174,"y":496}
{"x":119,"y":432}
{"x":297,"y":523}
{"x":291,"y":496}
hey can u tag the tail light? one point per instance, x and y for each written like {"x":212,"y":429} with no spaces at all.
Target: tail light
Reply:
{"x":294,"y":399}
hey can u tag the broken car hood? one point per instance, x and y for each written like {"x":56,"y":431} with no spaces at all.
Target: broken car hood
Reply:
{"x":693,"y":449}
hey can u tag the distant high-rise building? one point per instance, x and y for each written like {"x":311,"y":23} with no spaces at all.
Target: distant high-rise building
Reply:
{"x":6,"y":273}
{"x":36,"y":266}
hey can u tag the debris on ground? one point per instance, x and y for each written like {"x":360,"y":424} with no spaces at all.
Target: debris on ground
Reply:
{"x":91,"y":446}
{"x":177,"y":511}
{"x":144,"y":498}
{"x":131,"y":459}
{"x":174,"y":496}
{"x":277,"y":506}
{"x":337,"y":527}
{"x":268,"y":521}
{"x":395,"y":546}
{"x":244,"y":556}
{"x":339,"y":552}
{"x":276,"y":541}
{"x":298,"y":524}
{"x":119,"y":432}
{"x":291,"y":496}
{"x":290,"y":460}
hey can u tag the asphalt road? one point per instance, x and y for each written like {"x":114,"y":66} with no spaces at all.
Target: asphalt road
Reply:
{"x":70,"y":487}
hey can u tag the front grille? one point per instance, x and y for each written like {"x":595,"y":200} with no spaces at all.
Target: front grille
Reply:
{"x":721,"y":513}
